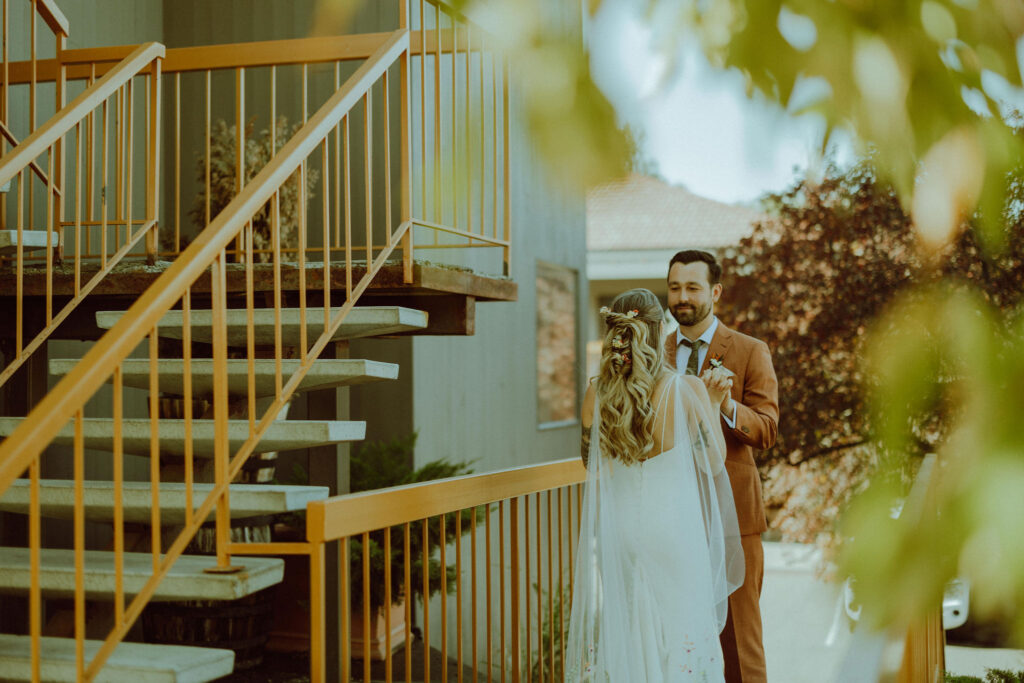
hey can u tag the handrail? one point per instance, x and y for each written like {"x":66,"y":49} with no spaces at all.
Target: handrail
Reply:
{"x":71,"y":393}
{"x":61,"y":123}
{"x":357,"y":513}
{"x":13,"y":139}
{"x":79,"y":61}
{"x":53,"y":16}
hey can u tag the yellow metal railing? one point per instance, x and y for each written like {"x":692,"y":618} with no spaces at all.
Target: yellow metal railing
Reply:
{"x":19,"y":165}
{"x":22,"y":450}
{"x":520,"y":615}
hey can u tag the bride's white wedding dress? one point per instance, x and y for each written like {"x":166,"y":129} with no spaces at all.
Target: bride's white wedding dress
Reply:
{"x":659,"y":552}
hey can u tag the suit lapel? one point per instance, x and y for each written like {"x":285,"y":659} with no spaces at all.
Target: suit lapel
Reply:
{"x":671,"y":346}
{"x":720,"y":344}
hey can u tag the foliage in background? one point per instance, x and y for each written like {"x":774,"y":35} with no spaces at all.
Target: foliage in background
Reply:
{"x":224,"y":182}
{"x":813,"y":278}
{"x":811,"y":281}
{"x":383,"y":464}
{"x":991,"y":676}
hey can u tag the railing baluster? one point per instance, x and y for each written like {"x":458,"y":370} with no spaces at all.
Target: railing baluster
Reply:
{"x":154,"y":446}
{"x":455,"y":109}
{"x":119,"y":178}
{"x":366,"y":608}
{"x":438,"y":213}
{"x":489,"y":601}
{"x":207,"y":147}
{"x":572,"y":540}
{"x":78,"y":208}
{"x":551,"y":597}
{"x":326,"y":222}
{"x":368,"y":173}
{"x":186,"y":346}
{"x":442,"y":551}
{"x":105,"y":125}
{"x":561,"y":593}
{"x":118,"y":466}
{"x":348,"y":208}
{"x":483,"y":143}
{"x":507,"y":168}
{"x":494,"y":138}
{"x":90,"y":154}
{"x":337,"y":166}
{"x":423,"y":113}
{"x":303,"y":341}
{"x":473,"y":593}
{"x":250,"y":326}
{"x":458,"y":594}
{"x":468,"y":160}
{"x":540,"y":594}
{"x":79,"y":533}
{"x":35,"y":548}
{"x":275,"y":237}
{"x":426,"y":600}
{"x":405,"y":165}
{"x":153,"y":172}
{"x":407,"y":591}
{"x":49,"y":236}
{"x":220,"y":407}
{"x":20,"y":268}
{"x":501,"y":585}
{"x":514,"y":581}
{"x":526,"y":574}
{"x":239,"y":141}
{"x":387,"y":602}
{"x":344,"y":593}
{"x":177,"y":162}
{"x":387,"y":161}
{"x":129,"y":156}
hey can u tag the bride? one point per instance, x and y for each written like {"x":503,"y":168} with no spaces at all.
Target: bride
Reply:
{"x":659,"y":548}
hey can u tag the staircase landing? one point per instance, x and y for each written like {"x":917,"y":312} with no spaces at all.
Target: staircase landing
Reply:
{"x":447,"y":294}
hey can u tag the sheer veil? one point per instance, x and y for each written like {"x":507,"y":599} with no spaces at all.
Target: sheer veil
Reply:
{"x":658,"y":554}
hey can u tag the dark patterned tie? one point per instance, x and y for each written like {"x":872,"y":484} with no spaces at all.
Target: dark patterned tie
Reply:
{"x":691,"y":364}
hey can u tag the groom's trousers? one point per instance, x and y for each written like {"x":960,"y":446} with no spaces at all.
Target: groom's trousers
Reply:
{"x":742,"y":646}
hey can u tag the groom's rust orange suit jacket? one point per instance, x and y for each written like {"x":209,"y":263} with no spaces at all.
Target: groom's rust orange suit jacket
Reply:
{"x":756,"y":392}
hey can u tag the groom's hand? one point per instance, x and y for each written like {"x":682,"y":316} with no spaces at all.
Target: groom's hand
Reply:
{"x":719,"y":383}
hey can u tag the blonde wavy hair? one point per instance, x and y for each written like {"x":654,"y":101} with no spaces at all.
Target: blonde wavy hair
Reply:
{"x":631,"y":360}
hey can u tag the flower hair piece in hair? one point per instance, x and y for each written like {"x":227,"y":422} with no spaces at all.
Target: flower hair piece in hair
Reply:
{"x":609,"y":313}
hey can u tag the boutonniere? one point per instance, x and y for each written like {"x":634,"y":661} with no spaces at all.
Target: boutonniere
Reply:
{"x":716,"y":360}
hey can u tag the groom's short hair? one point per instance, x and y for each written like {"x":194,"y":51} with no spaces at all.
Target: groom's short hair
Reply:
{"x":694,"y":255}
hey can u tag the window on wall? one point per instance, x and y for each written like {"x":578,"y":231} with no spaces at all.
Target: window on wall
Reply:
{"x":557,"y":386}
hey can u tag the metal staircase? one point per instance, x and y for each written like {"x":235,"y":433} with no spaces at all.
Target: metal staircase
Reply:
{"x":247,"y":323}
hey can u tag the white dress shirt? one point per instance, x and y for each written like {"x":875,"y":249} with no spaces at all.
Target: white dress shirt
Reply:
{"x":683,"y":352}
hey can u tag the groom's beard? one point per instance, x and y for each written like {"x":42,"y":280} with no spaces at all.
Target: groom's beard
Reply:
{"x":688,"y":316}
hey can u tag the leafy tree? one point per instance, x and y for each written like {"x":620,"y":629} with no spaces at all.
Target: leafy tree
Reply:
{"x":811,"y":281}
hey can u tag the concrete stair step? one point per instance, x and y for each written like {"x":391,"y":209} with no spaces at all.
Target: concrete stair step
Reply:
{"x":363,"y":321}
{"x":186,"y":579}
{"x":325,"y":374}
{"x":136,"y":662}
{"x":57,"y":499}
{"x":31,"y":240}
{"x":282,"y":435}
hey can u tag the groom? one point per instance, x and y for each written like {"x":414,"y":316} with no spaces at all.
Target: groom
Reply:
{"x":750,"y":416}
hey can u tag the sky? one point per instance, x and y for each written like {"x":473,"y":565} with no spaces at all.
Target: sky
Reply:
{"x":697,"y":125}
